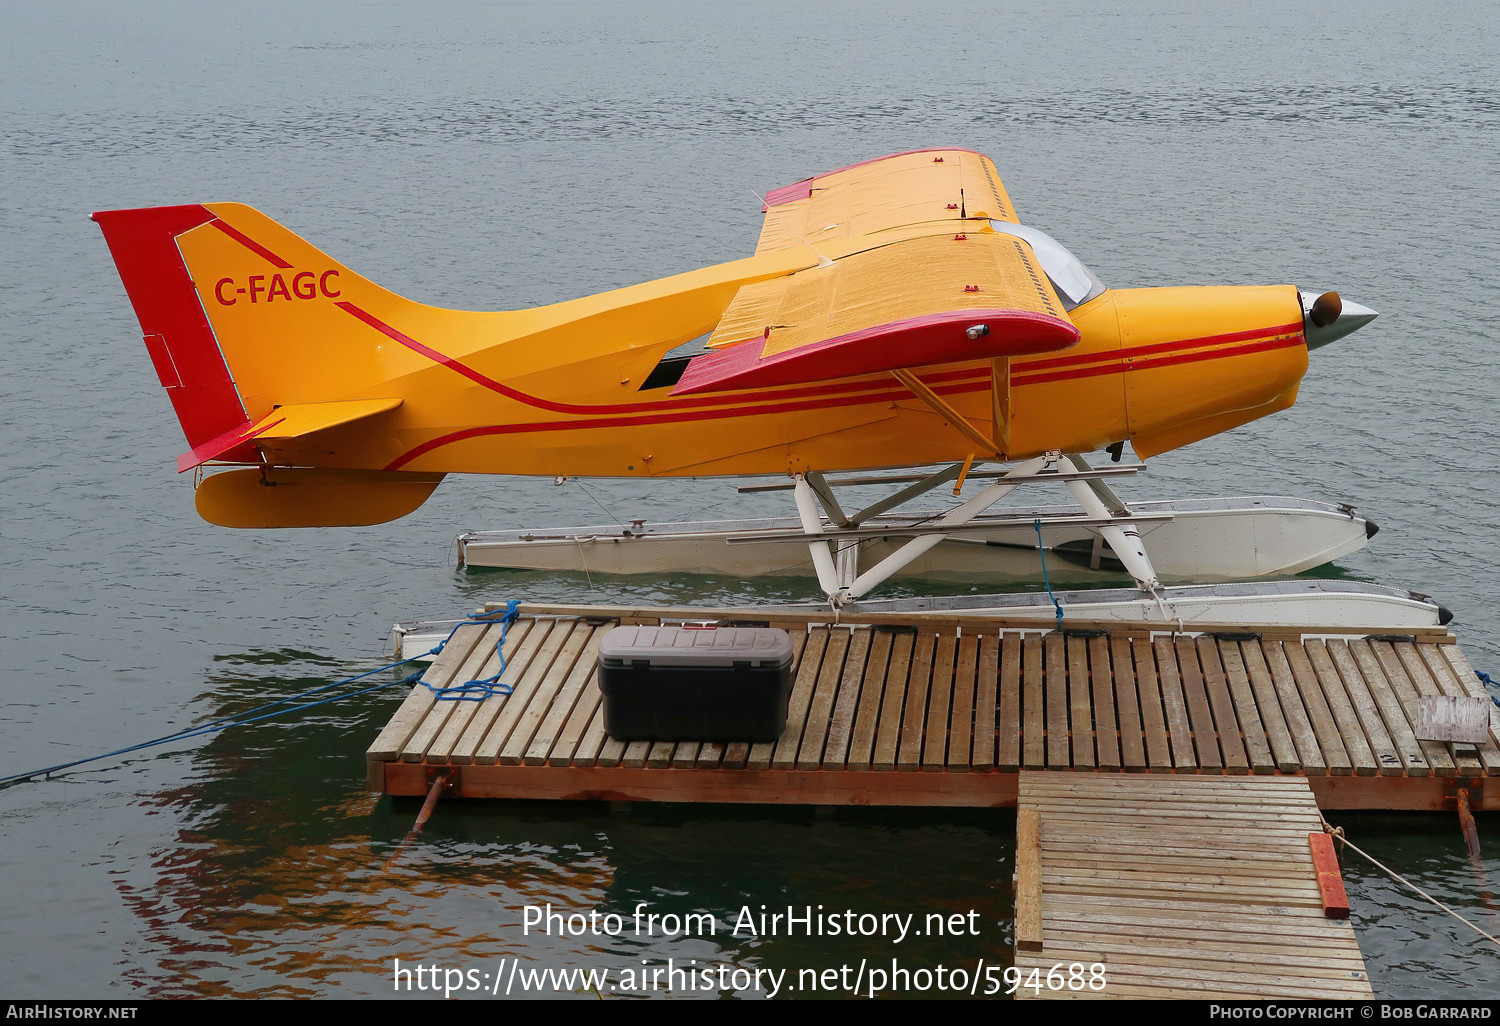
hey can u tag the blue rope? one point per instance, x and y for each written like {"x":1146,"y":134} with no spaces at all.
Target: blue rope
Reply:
{"x":1489,"y":686}
{"x":488,"y":687}
{"x":1042,"y":551}
{"x":270,"y":709}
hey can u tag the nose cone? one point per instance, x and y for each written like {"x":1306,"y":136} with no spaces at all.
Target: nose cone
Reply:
{"x":1326,"y":317}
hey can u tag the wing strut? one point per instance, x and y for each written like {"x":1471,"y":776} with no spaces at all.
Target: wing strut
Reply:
{"x":917,"y":387}
{"x":1000,"y":396}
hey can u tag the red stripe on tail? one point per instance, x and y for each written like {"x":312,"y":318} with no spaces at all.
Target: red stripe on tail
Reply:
{"x":178,"y":337}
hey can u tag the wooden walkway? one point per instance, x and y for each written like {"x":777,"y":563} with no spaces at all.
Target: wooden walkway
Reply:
{"x":926,"y":710}
{"x":1180,"y":887}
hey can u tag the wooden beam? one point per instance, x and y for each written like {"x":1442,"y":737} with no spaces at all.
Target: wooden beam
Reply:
{"x":1029,"y":879}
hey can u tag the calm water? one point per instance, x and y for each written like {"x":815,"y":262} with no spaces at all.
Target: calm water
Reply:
{"x":494,"y":156}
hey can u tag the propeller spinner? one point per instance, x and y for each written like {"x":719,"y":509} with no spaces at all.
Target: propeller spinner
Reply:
{"x":1327,"y":317}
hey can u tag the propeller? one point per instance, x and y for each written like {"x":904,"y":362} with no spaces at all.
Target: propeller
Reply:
{"x":1328,"y":317}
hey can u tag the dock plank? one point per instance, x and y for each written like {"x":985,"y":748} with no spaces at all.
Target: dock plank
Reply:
{"x":1106,"y":729}
{"x":1058,"y":736}
{"x":568,"y":695}
{"x":1033,"y":713}
{"x":936,"y":727}
{"x":1226,"y":723}
{"x":888,"y":736}
{"x":1080,"y":705}
{"x":809,"y":754}
{"x":1153,"y":709}
{"x":1127,"y":706}
{"x":1410,"y":752}
{"x":872,"y":690}
{"x":841,"y":720}
{"x":997,"y":703}
{"x":809,"y":644}
{"x":1309,"y":752}
{"x":1365,"y":708}
{"x":1346,"y":720}
{"x":1237,"y":678}
{"x":1174,"y":703}
{"x":1435,"y":752}
{"x":1315,"y":702}
{"x":961,"y":706}
{"x":919,"y":682}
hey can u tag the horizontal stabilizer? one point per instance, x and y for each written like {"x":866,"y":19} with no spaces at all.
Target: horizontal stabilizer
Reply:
{"x":290,"y":421}
{"x":300,"y":497}
{"x":297,"y":419}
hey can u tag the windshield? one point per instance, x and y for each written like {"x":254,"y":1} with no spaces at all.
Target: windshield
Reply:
{"x":1075,"y":283}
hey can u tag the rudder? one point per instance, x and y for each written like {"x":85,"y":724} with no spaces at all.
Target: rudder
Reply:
{"x":178,"y":337}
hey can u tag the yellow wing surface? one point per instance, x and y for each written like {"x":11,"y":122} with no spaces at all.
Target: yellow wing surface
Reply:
{"x":878,"y":195}
{"x":910,"y":274}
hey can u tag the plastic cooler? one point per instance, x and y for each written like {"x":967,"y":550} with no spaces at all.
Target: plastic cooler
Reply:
{"x":695,"y":683}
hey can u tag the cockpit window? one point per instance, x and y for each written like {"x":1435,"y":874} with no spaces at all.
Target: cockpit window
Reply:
{"x":1075,"y":283}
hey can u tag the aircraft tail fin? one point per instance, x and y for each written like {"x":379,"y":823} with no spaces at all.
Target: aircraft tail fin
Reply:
{"x":261,"y":341}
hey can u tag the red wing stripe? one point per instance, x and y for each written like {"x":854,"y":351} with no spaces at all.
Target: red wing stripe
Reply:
{"x":249,"y":243}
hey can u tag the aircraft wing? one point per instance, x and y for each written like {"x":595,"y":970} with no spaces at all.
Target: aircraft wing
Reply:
{"x":903,"y":282}
{"x":881,"y":194}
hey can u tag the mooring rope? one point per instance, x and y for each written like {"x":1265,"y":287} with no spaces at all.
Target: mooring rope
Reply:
{"x":1489,"y":686}
{"x":270,"y":710}
{"x":1337,"y":833}
{"x":487,"y":687}
{"x":1041,"y":551}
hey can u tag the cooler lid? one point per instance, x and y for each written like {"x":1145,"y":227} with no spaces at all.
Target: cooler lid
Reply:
{"x":696,"y":646}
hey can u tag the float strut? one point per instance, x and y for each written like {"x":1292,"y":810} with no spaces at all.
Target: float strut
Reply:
{"x":959,"y":516}
{"x":812,"y":523}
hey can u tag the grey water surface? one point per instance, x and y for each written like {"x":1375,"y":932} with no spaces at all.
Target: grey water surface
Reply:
{"x":501,"y":155}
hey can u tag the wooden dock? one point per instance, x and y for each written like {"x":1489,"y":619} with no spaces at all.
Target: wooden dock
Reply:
{"x":1175,"y":887}
{"x":928,"y":709}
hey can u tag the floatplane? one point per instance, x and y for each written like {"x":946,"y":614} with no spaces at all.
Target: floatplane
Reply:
{"x":896,"y":314}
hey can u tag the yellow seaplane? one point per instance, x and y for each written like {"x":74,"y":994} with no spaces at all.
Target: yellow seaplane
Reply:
{"x":895,"y":314}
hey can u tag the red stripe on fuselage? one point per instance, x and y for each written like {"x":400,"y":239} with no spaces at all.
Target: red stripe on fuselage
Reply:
{"x":1119,"y":367}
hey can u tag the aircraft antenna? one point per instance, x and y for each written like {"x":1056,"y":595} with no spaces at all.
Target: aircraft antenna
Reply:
{"x":823,"y":261}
